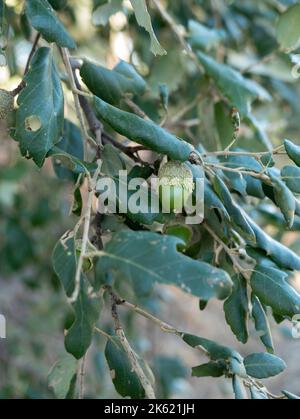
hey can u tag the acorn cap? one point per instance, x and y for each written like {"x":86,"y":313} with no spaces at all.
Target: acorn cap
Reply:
{"x":175,"y":173}
{"x":6,"y":103}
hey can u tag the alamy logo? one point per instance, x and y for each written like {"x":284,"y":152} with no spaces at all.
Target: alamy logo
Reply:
{"x":138,"y":196}
{"x":2,"y":327}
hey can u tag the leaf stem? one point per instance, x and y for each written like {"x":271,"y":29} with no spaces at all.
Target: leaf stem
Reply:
{"x":66,"y":58}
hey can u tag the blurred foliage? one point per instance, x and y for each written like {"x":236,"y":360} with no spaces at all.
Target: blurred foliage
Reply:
{"x":35,"y":203}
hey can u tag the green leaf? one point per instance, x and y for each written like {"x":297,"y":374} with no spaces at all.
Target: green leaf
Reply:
{"x":164,"y":94}
{"x":212,"y":369}
{"x":132,"y":254}
{"x":145,"y":215}
{"x":239,"y":182}
{"x":128,"y":71}
{"x":293,"y":151}
{"x":236,"y":367}
{"x":40,"y":116}
{"x":202,"y":37}
{"x":62,"y":376}
{"x":87,"y":310}
{"x":285,"y":200}
{"x":104,"y":11}
{"x":143,"y":18}
{"x":263,"y":365}
{"x":168,"y":370}
{"x":212,"y":201}
{"x":291,"y":176}
{"x":70,"y":162}
{"x":239,"y":388}
{"x":71,"y":144}
{"x":183,"y":232}
{"x":288,"y":28}
{"x":64,"y":262}
{"x":240,"y":91}
{"x":112,"y":85}
{"x":224,"y":124}
{"x":216,"y":352}
{"x":43,"y":18}
{"x":58,"y":4}
{"x":271,"y":287}
{"x":262,"y":324}
{"x":280,"y":254}
{"x":125,"y":380}
{"x":236,"y":309}
{"x":291,"y":396}
{"x":112,"y":162}
{"x":236,"y":215}
{"x":143,"y":132}
{"x":259,"y":132}
{"x":77,"y":202}
{"x":257,"y":394}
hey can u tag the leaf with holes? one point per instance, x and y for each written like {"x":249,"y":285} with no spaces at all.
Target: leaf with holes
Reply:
{"x":40,"y":116}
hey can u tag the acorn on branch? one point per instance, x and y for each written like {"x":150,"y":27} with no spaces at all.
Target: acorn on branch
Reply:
{"x":176,"y":185}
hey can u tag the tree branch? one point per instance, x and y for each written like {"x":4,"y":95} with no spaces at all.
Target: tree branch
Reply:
{"x":86,"y":228}
{"x":129,"y":351}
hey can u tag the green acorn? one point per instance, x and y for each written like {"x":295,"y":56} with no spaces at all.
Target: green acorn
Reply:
{"x":6,"y":103}
{"x":176,"y":185}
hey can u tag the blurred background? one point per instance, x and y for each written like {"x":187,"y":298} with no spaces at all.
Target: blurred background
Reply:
{"x":35,"y":204}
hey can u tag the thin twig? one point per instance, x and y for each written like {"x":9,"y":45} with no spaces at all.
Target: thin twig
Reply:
{"x":174,"y":28}
{"x":241,"y":171}
{"x":230,"y":252}
{"x":101,"y":332}
{"x":135,"y":108}
{"x":258,"y":155}
{"x":182,"y":112}
{"x":81,"y":378}
{"x":130,"y":352}
{"x":261,"y":61}
{"x":66,"y":59}
{"x":86,"y":228}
